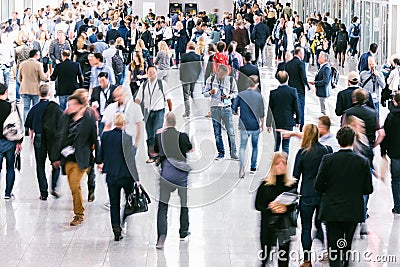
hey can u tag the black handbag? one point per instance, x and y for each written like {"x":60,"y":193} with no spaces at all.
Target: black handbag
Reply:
{"x":18,"y":161}
{"x":137,"y":201}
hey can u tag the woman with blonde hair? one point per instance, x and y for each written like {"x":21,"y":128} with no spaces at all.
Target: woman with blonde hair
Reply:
{"x":318,"y":44}
{"x":141,"y":47}
{"x":275,"y":217}
{"x":306,"y":167}
{"x":45,"y":46}
{"x":201,"y":46}
{"x":163,"y":61}
{"x":180,"y":42}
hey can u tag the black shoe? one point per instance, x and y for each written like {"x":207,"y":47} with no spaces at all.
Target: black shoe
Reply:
{"x":55,"y":194}
{"x":253,"y":170}
{"x":395,"y":212}
{"x":44,"y":198}
{"x":185,"y":236}
{"x":118,"y":236}
{"x":91,"y":195}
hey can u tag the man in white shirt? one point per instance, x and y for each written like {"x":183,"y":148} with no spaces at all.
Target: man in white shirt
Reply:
{"x":109,"y":53}
{"x":6,"y":60}
{"x":166,"y":32}
{"x":154,"y":98}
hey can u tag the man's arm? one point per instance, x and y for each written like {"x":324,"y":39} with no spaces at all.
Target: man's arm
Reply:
{"x":139,"y":126}
{"x":325,"y":78}
{"x":320,"y":181}
{"x":80,"y":76}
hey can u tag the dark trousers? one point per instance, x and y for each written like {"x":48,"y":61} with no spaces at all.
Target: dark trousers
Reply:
{"x":308,"y":206}
{"x":188,"y":89}
{"x":302,"y":104}
{"x":340,"y":236}
{"x":278,"y":52}
{"x":257,"y":52}
{"x":7,"y":150}
{"x":268,"y":238}
{"x":166,"y":188}
{"x":40,"y":157}
{"x":154,"y":122}
{"x":115,"y":184}
{"x":177,"y":55}
{"x":91,"y":182}
{"x":353,"y":45}
{"x":395,"y":173}
{"x":285,"y":141}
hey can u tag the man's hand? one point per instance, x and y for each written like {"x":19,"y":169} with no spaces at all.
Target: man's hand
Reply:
{"x":100,"y":167}
{"x":277,"y":208}
{"x":56,"y":164}
{"x":312,"y":82}
{"x":269,"y":129}
{"x":213,"y":91}
{"x":18,"y":148}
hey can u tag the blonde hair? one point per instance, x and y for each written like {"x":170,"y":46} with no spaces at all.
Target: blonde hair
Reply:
{"x":119,"y":120}
{"x":201,"y":46}
{"x":179,"y":25}
{"x":310,"y":136}
{"x":140,"y":45}
{"x":162,"y":46}
{"x":271,"y":177}
{"x":81,"y":43}
{"x":119,"y":41}
{"x":139,"y":55}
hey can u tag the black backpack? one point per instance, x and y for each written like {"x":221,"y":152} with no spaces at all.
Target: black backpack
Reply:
{"x":117,"y":63}
{"x":334,"y":77}
{"x":341,"y":39}
{"x":356,"y":30}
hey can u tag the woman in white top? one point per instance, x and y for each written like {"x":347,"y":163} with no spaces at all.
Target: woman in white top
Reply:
{"x":394,"y":77}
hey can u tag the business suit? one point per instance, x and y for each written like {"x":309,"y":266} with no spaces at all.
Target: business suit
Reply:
{"x":298,"y":79}
{"x":228,"y":34}
{"x":116,"y":147}
{"x":245,"y":72}
{"x":283,"y":104}
{"x":97,"y":91}
{"x":323,"y":85}
{"x":259,"y":38}
{"x":342,"y":204}
{"x":189,"y":73}
{"x":112,"y":34}
{"x":344,"y":100}
{"x":241,"y":37}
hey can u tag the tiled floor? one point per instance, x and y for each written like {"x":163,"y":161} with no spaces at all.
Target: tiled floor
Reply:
{"x":223,"y":221}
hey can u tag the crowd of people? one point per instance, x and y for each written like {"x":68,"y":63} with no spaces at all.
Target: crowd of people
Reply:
{"x":111,"y":71}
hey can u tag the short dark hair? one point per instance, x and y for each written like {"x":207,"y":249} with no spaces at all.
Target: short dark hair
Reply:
{"x":100,"y":36}
{"x":151,"y":66}
{"x":44,"y":90}
{"x":396,"y":98}
{"x":247,"y":56}
{"x":111,"y":42}
{"x":360,"y":96}
{"x":221,"y":46}
{"x":282,"y":76}
{"x":3,"y":88}
{"x":373,"y":47}
{"x":396,"y":61}
{"x":103,"y":74}
{"x":33,"y":53}
{"x":99,"y":56}
{"x":66,"y":53}
{"x":326,"y":121}
{"x":298,"y":50}
{"x":345,"y":136}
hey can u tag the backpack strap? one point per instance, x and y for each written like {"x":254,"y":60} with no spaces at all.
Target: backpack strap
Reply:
{"x":329,"y":148}
{"x":160,"y":85}
{"x":366,"y":81}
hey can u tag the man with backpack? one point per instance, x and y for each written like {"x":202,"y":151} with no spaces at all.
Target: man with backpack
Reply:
{"x":220,"y":58}
{"x":153,"y":98}
{"x":113,"y":59}
{"x":354,"y":36}
{"x":221,"y":88}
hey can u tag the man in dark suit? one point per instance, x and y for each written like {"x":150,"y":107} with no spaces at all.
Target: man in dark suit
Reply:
{"x":69,"y":78}
{"x":344,"y":98}
{"x":343,"y":178}
{"x":283,"y":104}
{"x":133,"y":36}
{"x":113,"y":33}
{"x":247,"y":70}
{"x":228,"y":32}
{"x":189,"y":72}
{"x":102,"y":96}
{"x":259,"y":37}
{"x":14,"y":20}
{"x":298,"y":79}
{"x":116,"y":148}
{"x":322,"y":81}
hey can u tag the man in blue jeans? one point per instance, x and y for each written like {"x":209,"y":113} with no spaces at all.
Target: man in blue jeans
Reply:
{"x":251,"y":121}
{"x":7,"y":148}
{"x":30,"y":75}
{"x":391,"y":146}
{"x":222,"y":89}
{"x":153,"y":97}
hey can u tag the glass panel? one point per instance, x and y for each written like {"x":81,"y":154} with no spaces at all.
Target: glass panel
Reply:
{"x":384,"y":33}
{"x":366,"y":33}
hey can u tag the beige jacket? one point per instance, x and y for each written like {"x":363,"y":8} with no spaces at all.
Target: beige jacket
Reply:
{"x":29,"y":76}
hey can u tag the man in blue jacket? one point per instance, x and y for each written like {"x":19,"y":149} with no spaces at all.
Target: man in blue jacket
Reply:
{"x":322,"y":81}
{"x":259,"y":37}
